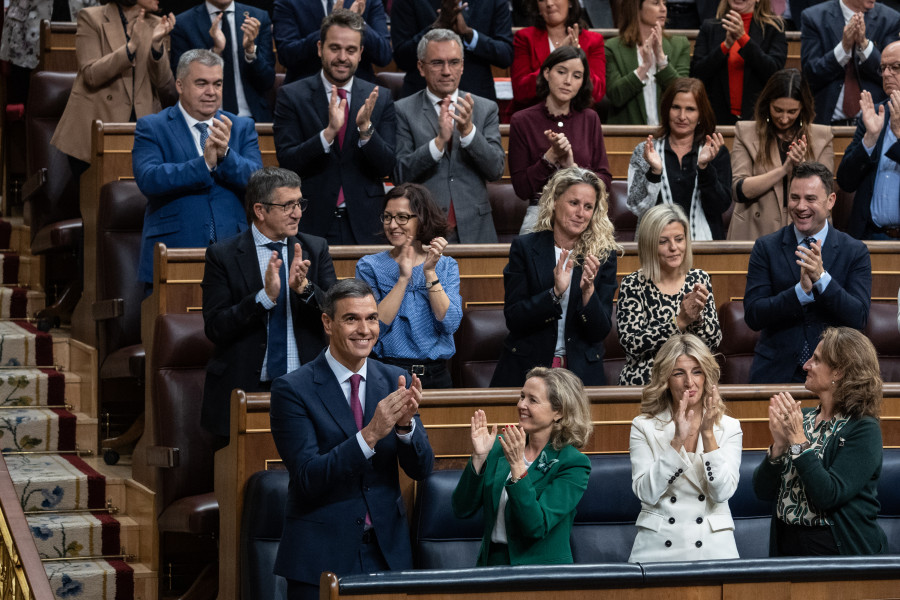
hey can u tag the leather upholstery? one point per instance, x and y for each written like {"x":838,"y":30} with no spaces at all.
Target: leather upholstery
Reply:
{"x":881,"y":328}
{"x":507,"y":210}
{"x":120,"y":219}
{"x":622,"y":219}
{"x":178,"y":368}
{"x":613,"y":353}
{"x":479,"y":342}
{"x":261,"y":526}
{"x":738,"y":344}
{"x":57,"y":200}
{"x":392,"y":81}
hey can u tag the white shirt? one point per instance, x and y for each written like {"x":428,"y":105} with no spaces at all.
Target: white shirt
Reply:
{"x":351,"y":118}
{"x":191,"y":122}
{"x":463,"y":140}
{"x":498,"y":533}
{"x":243,"y":107}
{"x":843,"y":58}
{"x":564,"y":304}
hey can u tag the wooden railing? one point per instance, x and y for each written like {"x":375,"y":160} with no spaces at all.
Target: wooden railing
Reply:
{"x":22,"y":575}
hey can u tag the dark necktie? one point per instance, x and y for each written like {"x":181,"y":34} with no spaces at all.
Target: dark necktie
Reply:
{"x":342,"y":93}
{"x":356,"y":409}
{"x":851,"y":88}
{"x":229,"y":96}
{"x":276,"y":345}
{"x":805,"y":352}
{"x":451,"y":213}
{"x":204,"y":135}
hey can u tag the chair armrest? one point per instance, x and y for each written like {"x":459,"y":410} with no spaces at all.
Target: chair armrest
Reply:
{"x":163,"y":456}
{"x":111,"y":308}
{"x":34,"y":183}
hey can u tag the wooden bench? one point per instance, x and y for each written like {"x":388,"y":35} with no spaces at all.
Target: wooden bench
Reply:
{"x":446,"y":415}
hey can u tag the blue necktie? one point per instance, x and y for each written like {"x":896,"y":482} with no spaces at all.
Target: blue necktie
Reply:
{"x":276,"y":364}
{"x":204,"y":135}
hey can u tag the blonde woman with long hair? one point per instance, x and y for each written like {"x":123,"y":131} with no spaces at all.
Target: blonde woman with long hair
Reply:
{"x":685,"y":459}
{"x":559,"y":283}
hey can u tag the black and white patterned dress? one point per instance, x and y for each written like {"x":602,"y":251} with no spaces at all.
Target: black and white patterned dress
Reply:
{"x":645,"y":318}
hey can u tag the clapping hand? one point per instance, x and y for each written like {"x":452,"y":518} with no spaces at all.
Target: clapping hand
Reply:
{"x":683,"y":418}
{"x":482,"y":439}
{"x":589,"y":269}
{"x":652,"y":156}
{"x":692,"y":305}
{"x":512,"y":440}
{"x":710,"y":149}
{"x":433,"y":253}
{"x":562,"y":273}
{"x":811,"y":267}
{"x":299,"y":268}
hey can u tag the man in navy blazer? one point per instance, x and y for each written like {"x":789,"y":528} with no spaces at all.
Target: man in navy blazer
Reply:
{"x":832,"y":34}
{"x":338,"y":133}
{"x":242,"y":289}
{"x":192,"y":162}
{"x":342,"y":423}
{"x":297,"y":25}
{"x":804,"y":278}
{"x":871,"y":163}
{"x":485,"y":28}
{"x":252,"y":30}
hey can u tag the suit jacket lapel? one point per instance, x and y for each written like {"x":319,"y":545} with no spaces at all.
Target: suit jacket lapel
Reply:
{"x":377,"y":387}
{"x":115,"y":35}
{"x":330,"y":394}
{"x":789,"y":249}
{"x":319,"y":101}
{"x":543,"y":258}
{"x":247,"y":262}
{"x":182,"y":133}
{"x":429,"y":113}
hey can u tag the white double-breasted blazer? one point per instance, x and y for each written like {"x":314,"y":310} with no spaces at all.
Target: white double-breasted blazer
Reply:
{"x":684,"y":501}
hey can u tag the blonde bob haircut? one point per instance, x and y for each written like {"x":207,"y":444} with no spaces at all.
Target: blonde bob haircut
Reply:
{"x":650,"y":228}
{"x":656,"y":397}
{"x":599,"y":237}
{"x":858,"y":391}
{"x":566,"y":394}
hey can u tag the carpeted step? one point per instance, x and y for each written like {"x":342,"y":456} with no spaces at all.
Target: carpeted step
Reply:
{"x":21,"y":344}
{"x":52,"y":482}
{"x":19,"y":303}
{"x":73,"y":535}
{"x":94,"y":579}
{"x":37,"y":429}
{"x":31,"y":387}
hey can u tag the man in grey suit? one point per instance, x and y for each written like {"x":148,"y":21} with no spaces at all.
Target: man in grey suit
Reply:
{"x":450,"y":141}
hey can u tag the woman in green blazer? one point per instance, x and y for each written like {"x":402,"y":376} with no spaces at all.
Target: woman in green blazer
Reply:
{"x":823,"y":466}
{"x":641,"y":62}
{"x":530,"y":480}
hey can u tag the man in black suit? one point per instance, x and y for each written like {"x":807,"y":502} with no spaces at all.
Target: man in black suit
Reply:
{"x":261,"y":296}
{"x":337,"y":132}
{"x":803,"y":278}
{"x":485,"y":28}
{"x":840,"y":51}
{"x":242,"y":36}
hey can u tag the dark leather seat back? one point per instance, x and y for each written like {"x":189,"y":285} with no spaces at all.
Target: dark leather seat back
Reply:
{"x":120,"y":219}
{"x":622,"y":219}
{"x":507,"y":210}
{"x":272,"y":94}
{"x":752,"y":516}
{"x":613,"y":353}
{"x":392,"y":81}
{"x":441,"y":540}
{"x":261,"y":527}
{"x":178,"y":367}
{"x":882,"y":330}
{"x":738,"y":343}
{"x":479,"y":342}
{"x":604,"y":529}
{"x":57,"y":199}
{"x":889,"y":497}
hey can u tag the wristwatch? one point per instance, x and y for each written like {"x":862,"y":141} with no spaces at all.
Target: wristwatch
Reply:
{"x":367,"y":132}
{"x":796,"y":449}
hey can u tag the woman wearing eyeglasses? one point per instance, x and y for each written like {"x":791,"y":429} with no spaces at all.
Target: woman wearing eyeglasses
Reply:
{"x":416,"y":287}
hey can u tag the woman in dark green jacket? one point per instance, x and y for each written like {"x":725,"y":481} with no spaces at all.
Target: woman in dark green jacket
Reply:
{"x":823,"y":466}
{"x":530,"y":478}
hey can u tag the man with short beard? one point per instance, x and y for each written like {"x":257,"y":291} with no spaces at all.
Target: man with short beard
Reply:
{"x":337,"y":132}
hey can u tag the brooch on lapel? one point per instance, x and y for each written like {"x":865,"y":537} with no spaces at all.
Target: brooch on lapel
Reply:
{"x":841,"y":442}
{"x":543,"y":465}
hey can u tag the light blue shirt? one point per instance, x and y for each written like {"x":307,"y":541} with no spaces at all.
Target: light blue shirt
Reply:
{"x":824,"y":280}
{"x":886,"y":194}
{"x":262,"y":257}
{"x":343,"y":375}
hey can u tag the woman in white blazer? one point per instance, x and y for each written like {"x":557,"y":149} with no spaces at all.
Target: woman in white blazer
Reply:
{"x":685,"y":459}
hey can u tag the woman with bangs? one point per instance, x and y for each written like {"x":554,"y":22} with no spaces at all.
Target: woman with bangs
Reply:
{"x":560,"y":131}
{"x":766,"y":150}
{"x":735,"y":55}
{"x":687,"y":163}
{"x":559,"y":284}
{"x":823,"y":466}
{"x":685,"y":459}
{"x":665,"y":296}
{"x":641,"y":63}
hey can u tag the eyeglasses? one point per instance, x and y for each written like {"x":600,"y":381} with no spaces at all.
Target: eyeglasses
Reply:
{"x":893,"y":68}
{"x":402,"y":218}
{"x":288,"y":207}
{"x":438,"y":65}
